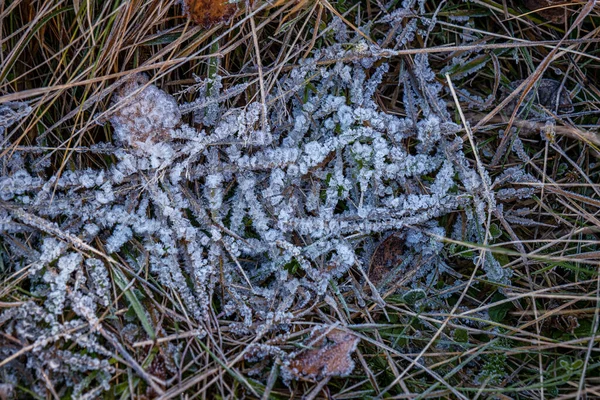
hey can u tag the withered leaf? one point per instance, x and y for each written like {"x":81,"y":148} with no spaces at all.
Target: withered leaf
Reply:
{"x":137,"y":102}
{"x":329,"y":356}
{"x":387,"y":255}
{"x":553,"y":10}
{"x":545,"y":94}
{"x":209,"y":12}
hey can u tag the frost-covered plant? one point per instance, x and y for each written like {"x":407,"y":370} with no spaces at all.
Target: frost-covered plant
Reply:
{"x":44,"y":334}
{"x":268,"y":213}
{"x":11,"y":113}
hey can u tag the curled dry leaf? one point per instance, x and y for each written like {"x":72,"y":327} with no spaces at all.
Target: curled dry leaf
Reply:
{"x":328,"y":356}
{"x":387,"y":256}
{"x":547,"y":95}
{"x":209,"y":12}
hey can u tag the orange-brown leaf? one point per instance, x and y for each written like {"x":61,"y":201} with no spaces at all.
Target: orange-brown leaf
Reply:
{"x":209,"y":12}
{"x":329,"y":356}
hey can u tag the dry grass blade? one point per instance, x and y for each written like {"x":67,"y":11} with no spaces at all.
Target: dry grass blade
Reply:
{"x":527,"y":85}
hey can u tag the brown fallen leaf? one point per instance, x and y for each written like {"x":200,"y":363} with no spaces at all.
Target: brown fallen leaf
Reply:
{"x":545,"y":94}
{"x":387,"y":255}
{"x":6,"y":391}
{"x":209,"y":12}
{"x":553,"y":10}
{"x":328,"y":356}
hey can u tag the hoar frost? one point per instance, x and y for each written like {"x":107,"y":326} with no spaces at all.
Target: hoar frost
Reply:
{"x":273,"y":212}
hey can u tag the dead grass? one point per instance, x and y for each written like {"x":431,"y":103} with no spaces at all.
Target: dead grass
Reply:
{"x":537,"y":338}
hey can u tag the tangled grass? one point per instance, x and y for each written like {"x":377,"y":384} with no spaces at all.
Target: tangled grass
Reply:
{"x":432,"y":307}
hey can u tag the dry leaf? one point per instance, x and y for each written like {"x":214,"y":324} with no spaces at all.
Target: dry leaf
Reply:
{"x":6,"y":391}
{"x":328,"y":356}
{"x":546,"y":95}
{"x":141,"y":112}
{"x":549,"y":9}
{"x":209,"y":12}
{"x":387,"y":256}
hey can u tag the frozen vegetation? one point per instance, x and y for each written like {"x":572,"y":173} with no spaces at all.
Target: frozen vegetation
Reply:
{"x":260,"y":211}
